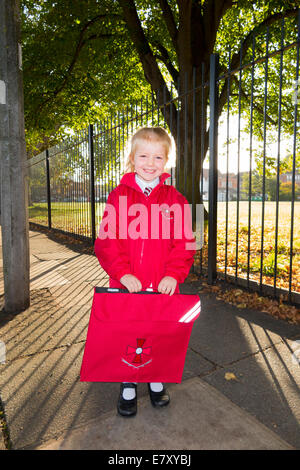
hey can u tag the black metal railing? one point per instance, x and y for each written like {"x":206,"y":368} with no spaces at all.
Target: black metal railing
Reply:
{"x":238,"y":157}
{"x":265,"y":255}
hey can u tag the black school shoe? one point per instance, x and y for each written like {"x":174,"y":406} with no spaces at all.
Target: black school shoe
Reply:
{"x":159,"y":398}
{"x":127,"y":407}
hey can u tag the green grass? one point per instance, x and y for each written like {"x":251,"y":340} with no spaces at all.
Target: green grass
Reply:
{"x":73,"y":217}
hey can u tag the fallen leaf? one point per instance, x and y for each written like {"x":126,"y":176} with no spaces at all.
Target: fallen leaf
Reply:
{"x":230,"y":376}
{"x":238,"y":292}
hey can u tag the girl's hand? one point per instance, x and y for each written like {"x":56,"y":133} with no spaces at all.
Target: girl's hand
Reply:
{"x":167,"y":285}
{"x":131,"y":283}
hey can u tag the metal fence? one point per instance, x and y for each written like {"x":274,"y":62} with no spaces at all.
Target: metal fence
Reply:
{"x":260,"y":232}
{"x":238,"y":154}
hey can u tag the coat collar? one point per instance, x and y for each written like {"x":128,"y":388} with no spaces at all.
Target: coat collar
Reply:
{"x":129,"y":180}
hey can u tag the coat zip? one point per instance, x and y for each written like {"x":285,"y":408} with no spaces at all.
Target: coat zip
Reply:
{"x":143,"y":242}
{"x":142,"y":251}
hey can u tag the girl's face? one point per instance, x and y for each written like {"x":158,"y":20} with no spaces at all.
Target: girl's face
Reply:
{"x":149,"y":159}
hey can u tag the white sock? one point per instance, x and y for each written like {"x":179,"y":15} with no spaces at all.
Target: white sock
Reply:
{"x":128,"y":393}
{"x":156,"y":386}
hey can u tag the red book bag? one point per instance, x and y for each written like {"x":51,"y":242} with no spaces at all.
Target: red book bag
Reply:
{"x":140,"y":337}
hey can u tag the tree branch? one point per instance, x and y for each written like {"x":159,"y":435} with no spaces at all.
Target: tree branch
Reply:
{"x":165,"y":58}
{"x":247,"y":41}
{"x":170,"y":22}
{"x":224,"y":94}
{"x":255,"y":106}
{"x":150,"y":66}
{"x":237,"y":57}
{"x":185,"y":37}
{"x":213,"y":12}
{"x":80,"y":43}
{"x":137,"y":35}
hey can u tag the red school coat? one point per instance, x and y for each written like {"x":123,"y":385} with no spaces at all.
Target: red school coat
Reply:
{"x":145,"y":235}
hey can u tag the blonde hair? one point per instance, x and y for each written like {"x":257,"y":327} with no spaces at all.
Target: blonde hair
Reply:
{"x":150,"y":134}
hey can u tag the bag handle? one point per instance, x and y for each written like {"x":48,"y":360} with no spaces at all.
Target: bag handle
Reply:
{"x":116,"y":290}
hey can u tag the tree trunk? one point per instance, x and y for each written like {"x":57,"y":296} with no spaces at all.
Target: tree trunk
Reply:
{"x":187,"y":119}
{"x":188,"y":126}
{"x":14,"y":209}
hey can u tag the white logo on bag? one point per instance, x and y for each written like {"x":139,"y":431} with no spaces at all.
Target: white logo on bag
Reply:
{"x":136,"y":367}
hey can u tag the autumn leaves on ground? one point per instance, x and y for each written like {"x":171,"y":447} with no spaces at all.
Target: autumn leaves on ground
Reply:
{"x":233,"y":255}
{"x":262,"y":227}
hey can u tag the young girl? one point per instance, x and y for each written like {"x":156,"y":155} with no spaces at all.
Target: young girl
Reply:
{"x":141,"y":255}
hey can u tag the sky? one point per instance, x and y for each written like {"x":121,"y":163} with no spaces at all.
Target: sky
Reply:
{"x":286,"y":147}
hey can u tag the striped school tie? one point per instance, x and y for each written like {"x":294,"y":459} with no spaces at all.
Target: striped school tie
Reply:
{"x":147,"y":190}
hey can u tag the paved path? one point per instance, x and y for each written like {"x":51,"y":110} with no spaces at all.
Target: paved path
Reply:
{"x":47,"y":407}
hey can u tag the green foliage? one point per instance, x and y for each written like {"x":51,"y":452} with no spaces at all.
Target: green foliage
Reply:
{"x":80,"y":64}
{"x":269,"y":267}
{"x":267,"y":168}
{"x":263,"y":83}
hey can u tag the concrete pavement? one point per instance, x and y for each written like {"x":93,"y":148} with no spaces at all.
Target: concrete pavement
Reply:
{"x":240,"y":387}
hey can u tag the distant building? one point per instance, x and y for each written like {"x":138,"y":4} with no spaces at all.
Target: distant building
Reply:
{"x":225,"y":185}
{"x":288,"y":177}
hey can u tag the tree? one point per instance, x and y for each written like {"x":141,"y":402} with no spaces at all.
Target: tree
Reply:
{"x":286,"y":191}
{"x":167,"y":40}
{"x":272,"y":183}
{"x":193,"y":30}
{"x":257,"y":186}
{"x":78,"y":65}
